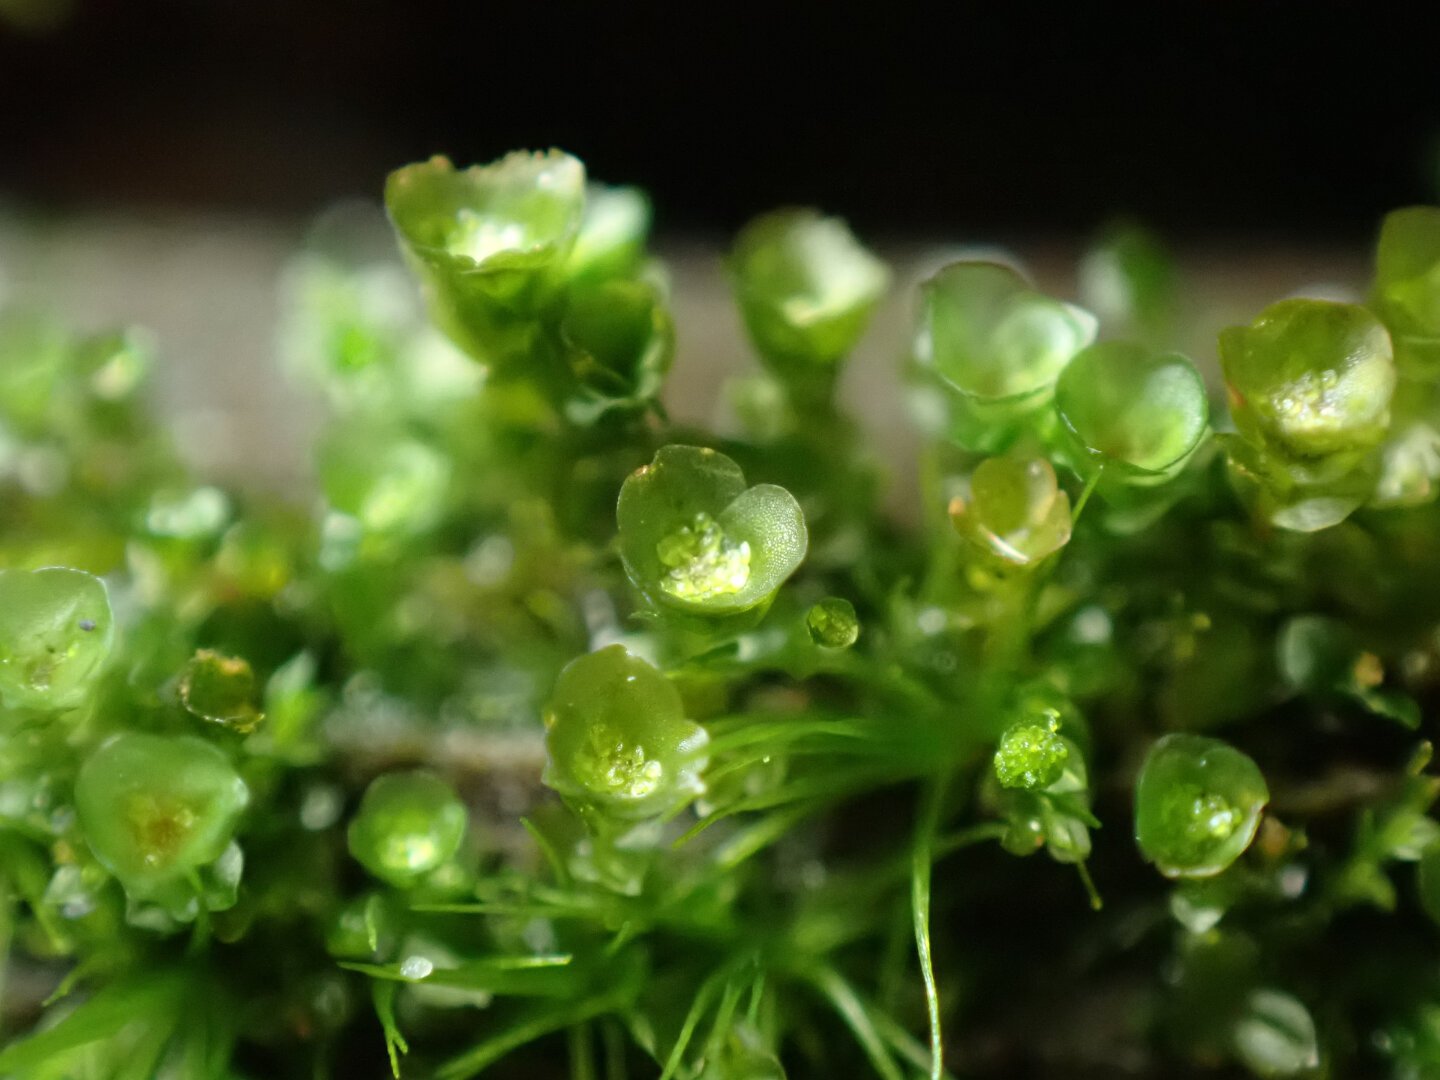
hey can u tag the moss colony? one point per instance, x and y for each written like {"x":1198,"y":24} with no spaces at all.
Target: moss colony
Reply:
{"x":551,"y":738}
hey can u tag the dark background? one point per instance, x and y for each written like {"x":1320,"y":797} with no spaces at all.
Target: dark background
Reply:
{"x":1202,"y":118}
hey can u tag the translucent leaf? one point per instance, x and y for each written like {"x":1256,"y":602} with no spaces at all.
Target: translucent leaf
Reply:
{"x":361,"y":928}
{"x":986,"y":332}
{"x":1276,"y":1035}
{"x":1406,"y":292}
{"x":1197,"y":805}
{"x":517,"y":212}
{"x":805,"y":286}
{"x":220,"y":689}
{"x":619,"y":341}
{"x":56,"y":632}
{"x":1124,"y":404}
{"x":154,"y":809}
{"x":1320,"y":655}
{"x":1316,"y":653}
{"x":390,"y":483}
{"x":510,"y":976}
{"x":693,"y":537}
{"x":143,"y":1003}
{"x":613,"y":228}
{"x":1128,"y":279}
{"x":618,"y":738}
{"x":1301,"y":495}
{"x":1310,"y":377}
{"x":489,"y":243}
{"x":1409,"y":473}
{"x":408,"y":825}
{"x":1016,"y":512}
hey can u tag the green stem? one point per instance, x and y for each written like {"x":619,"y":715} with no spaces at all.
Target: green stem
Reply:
{"x":200,"y":936}
{"x":974,"y":834}
{"x":1085,"y":495}
{"x":582,"y":1053}
{"x":698,"y":1005}
{"x":615,"y":1068}
{"x":1096,"y":903}
{"x":757,"y":998}
{"x":7,"y":930}
{"x":545,"y":1022}
{"x":921,"y":859}
{"x":857,"y":1017}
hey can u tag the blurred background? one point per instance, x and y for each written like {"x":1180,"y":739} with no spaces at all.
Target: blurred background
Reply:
{"x":160,"y":158}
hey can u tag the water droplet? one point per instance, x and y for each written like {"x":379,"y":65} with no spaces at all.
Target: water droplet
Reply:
{"x":416,"y":967}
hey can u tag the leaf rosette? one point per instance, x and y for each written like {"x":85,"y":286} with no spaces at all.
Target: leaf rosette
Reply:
{"x":1046,"y":798}
{"x":154,"y":810}
{"x":391,"y":483}
{"x":490,"y":244}
{"x":1129,"y":280}
{"x":1406,"y":292}
{"x":408,"y":824}
{"x":1197,"y":805}
{"x":806,"y":288}
{"x":613,"y":230}
{"x":695,"y":538}
{"x":1310,"y":379}
{"x":1132,"y":410}
{"x":1016,"y":512}
{"x":618,"y":739}
{"x":1310,"y":385}
{"x":1304,"y":496}
{"x":56,"y":631}
{"x":988,"y":334}
{"x":1032,"y":754}
{"x":1409,"y":468}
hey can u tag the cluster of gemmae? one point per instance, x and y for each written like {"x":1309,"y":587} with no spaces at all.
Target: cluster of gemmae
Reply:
{"x":271,"y":798}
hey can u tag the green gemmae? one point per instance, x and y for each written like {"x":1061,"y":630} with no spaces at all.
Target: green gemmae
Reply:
{"x":618,"y":738}
{"x":694,"y":536}
{"x":1032,"y":754}
{"x":702,"y":562}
